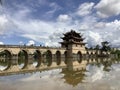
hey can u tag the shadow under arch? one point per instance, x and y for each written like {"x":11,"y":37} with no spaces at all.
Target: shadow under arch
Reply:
{"x":79,"y":55}
{"x":5,"y":62}
{"x":87,"y":53}
{"x":91,"y":55}
{"x":58,"y":57}
{"x":48,"y":58}
{"x":22,"y":59}
{"x":66,"y":57}
{"x":87,"y":56}
{"x":37,"y":58}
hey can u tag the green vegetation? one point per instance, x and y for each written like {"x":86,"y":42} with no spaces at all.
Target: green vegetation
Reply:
{"x":48,"y":58}
{"x":21,"y":57}
{"x":105,"y":46}
{"x":3,"y":62}
{"x":117,"y":52}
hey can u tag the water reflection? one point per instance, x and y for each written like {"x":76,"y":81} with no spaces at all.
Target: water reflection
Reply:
{"x":100,"y":75}
{"x":4,"y":64}
{"x":73,"y":77}
{"x":22,"y":59}
{"x":37,"y":58}
{"x":5,"y":60}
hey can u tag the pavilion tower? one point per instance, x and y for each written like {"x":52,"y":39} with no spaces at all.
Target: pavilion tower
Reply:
{"x":73,"y":42}
{"x":75,"y":48}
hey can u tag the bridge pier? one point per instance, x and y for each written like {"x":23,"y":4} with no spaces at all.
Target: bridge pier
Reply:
{"x":13,"y":68}
{"x":30,"y":59}
{"x":84,"y":56}
{"x":30,"y":62}
{"x":14,"y":59}
{"x":63,"y":58}
{"x":53,"y":57}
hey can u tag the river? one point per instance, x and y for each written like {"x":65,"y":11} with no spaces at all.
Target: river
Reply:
{"x":94,"y":77}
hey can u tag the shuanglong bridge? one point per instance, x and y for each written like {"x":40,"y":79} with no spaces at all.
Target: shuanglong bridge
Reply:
{"x":45,"y":57}
{"x":72,"y":54}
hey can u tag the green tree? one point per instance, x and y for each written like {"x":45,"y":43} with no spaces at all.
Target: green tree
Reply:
{"x":97,"y":47}
{"x":105,"y":46}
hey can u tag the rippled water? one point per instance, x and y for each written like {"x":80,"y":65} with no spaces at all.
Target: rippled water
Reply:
{"x":95,"y":77}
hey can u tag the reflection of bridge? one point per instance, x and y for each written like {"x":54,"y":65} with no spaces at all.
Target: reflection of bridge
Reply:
{"x":77,"y":66}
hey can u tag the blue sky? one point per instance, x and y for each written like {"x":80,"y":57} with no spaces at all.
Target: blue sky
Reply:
{"x":44,"y":21}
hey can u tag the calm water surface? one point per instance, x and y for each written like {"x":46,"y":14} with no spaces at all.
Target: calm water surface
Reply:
{"x":95,"y":77}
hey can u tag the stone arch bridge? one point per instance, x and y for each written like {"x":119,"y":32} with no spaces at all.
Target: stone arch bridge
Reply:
{"x":45,"y":58}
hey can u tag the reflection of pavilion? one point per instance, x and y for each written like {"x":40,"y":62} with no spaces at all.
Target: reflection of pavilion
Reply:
{"x":73,"y":77}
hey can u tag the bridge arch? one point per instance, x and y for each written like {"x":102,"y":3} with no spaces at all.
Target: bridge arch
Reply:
{"x":5,"y":62}
{"x":58,"y":57}
{"x":79,"y":56}
{"x":22,"y":59}
{"x":48,"y":59}
{"x":66,"y":57}
{"x":91,"y":54}
{"x":37,"y":58}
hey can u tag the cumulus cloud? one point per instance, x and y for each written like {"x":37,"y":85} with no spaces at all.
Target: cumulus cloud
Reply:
{"x":111,"y":32}
{"x":1,"y":43}
{"x":63,"y":18}
{"x":21,"y":43}
{"x":49,"y":32}
{"x":3,"y":23}
{"x":93,"y":38}
{"x":31,"y":42}
{"x":85,"y":9}
{"x":107,"y":8}
{"x":34,"y":26}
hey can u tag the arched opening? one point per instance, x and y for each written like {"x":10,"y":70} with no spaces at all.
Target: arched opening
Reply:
{"x":79,"y":55}
{"x":66,"y":57}
{"x":96,"y":54}
{"x":22,"y":59}
{"x":5,"y":60}
{"x":58,"y":57}
{"x":48,"y":58}
{"x":37,"y":58}
{"x":91,"y":55}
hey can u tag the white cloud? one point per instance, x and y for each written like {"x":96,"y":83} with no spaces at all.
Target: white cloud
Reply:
{"x":21,"y":43}
{"x":54,"y":7}
{"x":64,"y":18}
{"x":100,"y":25}
{"x":38,"y":38}
{"x":6,"y":25}
{"x":93,"y":38}
{"x":1,"y":43}
{"x":3,"y":23}
{"x":52,"y":44}
{"x":34,"y":26}
{"x":31,"y":42}
{"x":107,"y":8}
{"x":85,"y":9}
{"x":49,"y":32}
